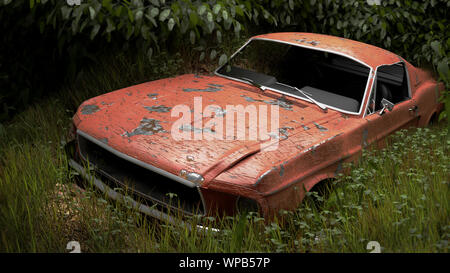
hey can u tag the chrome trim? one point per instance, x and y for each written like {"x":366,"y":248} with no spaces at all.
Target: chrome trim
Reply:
{"x":135,"y":205}
{"x":313,"y":48}
{"x":137,"y":162}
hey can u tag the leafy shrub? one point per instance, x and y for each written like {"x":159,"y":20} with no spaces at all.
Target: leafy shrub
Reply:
{"x":55,"y":39}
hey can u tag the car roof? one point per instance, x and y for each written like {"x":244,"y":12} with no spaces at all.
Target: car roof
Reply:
{"x":371,"y":55}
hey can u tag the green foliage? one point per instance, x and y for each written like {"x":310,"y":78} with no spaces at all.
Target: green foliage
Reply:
{"x":397,"y":196}
{"x":55,"y":39}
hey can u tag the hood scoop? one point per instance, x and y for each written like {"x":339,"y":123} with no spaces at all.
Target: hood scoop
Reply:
{"x":230,"y":159}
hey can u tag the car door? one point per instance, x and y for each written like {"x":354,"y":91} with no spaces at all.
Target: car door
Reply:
{"x":391,"y":83}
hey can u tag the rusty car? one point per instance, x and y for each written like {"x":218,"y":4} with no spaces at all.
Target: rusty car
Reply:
{"x":334,"y":98}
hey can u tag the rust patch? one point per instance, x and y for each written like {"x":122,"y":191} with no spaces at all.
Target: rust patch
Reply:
{"x":89,"y":109}
{"x":148,"y":126}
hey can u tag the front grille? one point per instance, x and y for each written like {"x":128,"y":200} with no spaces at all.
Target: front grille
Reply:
{"x":143,"y":183}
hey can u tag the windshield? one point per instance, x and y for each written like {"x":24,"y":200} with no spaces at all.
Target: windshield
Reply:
{"x":323,"y":78}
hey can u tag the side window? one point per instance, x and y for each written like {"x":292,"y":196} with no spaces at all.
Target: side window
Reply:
{"x":391,"y":83}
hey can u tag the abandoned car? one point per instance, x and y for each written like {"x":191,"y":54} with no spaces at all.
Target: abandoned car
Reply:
{"x":319,"y":100}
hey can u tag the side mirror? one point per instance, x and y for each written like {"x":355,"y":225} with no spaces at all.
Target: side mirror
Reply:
{"x":386,"y":105}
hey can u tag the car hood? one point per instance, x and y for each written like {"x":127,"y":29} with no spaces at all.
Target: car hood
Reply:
{"x":139,"y":121}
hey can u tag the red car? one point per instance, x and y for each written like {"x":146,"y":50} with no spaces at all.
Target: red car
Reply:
{"x":318,"y":101}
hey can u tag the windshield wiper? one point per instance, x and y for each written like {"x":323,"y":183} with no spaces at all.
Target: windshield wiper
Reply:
{"x":309,"y":96}
{"x":252,"y":82}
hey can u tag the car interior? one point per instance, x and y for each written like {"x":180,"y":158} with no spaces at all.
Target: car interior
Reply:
{"x":328,"y":78}
{"x":390,"y":84}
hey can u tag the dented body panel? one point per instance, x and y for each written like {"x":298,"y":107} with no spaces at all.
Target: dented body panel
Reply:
{"x":138,"y":122}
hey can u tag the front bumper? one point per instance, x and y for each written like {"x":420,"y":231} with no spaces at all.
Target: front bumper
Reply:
{"x":104,"y":188}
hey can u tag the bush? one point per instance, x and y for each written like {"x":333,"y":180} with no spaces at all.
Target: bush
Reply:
{"x":56,"y":38}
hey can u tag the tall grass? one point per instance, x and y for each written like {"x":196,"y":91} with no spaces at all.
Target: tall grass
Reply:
{"x":397,"y":196}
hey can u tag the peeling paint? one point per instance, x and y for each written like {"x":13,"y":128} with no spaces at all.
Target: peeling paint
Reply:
{"x":219,"y":111}
{"x":284,"y":131}
{"x":305,"y":127}
{"x":282,"y":169}
{"x":148,"y":126}
{"x":247,"y":98}
{"x":153,"y":96}
{"x":89,"y":109}
{"x":190,"y":128}
{"x":158,"y":108}
{"x":280,"y":102}
{"x":215,"y":85}
{"x":320,"y":127}
{"x":364,"y":138}
{"x":208,"y":89}
{"x":305,"y":41}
